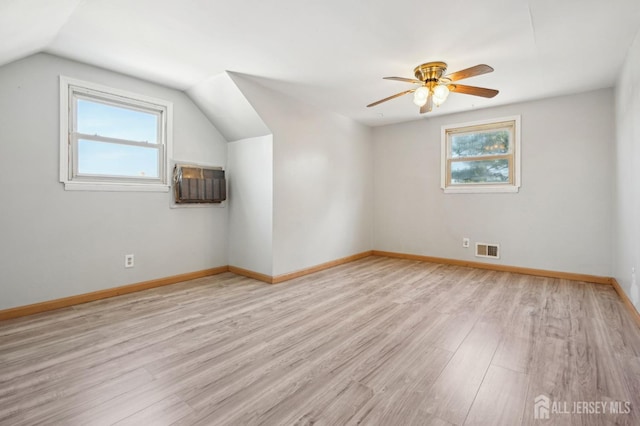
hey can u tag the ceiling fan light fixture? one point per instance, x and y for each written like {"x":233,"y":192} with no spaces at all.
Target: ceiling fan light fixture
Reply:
{"x":440,"y":93}
{"x":433,"y":86}
{"x":420,"y":96}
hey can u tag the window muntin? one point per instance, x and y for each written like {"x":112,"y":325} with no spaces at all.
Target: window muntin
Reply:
{"x":481,"y":156}
{"x":113,"y":140}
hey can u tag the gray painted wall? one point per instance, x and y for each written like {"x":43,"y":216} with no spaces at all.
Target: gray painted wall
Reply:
{"x":626,"y":247}
{"x":561,"y":218}
{"x":250,"y":181}
{"x":58,"y":243}
{"x":322,"y":180}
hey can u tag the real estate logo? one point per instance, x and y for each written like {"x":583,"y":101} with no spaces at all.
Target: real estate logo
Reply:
{"x":541,"y":407}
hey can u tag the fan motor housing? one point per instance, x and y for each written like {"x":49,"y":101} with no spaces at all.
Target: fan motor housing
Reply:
{"x":430,"y":71}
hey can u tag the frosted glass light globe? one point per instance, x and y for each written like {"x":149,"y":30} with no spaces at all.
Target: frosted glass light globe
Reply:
{"x":420,"y":96}
{"x":440,"y":94}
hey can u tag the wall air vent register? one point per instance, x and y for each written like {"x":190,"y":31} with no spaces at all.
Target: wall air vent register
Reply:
{"x":488,"y":250}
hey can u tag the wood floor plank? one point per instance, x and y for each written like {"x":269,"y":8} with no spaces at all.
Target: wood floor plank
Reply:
{"x":165,"y":412}
{"x":377,"y":341}
{"x":400,"y":387}
{"x":453,"y":392}
{"x":622,"y":336}
{"x":342,"y":408}
{"x":515,"y":349}
{"x":62,"y":403}
{"x":286,"y":376}
{"x":397,"y":339}
{"x":500,"y":400}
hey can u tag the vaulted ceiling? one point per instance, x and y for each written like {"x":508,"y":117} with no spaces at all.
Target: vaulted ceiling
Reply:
{"x":334,"y":53}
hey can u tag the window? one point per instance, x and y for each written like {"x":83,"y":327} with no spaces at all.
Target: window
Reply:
{"x":113,"y":140}
{"x":481,"y":156}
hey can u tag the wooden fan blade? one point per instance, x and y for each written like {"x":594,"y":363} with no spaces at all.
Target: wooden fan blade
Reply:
{"x":397,"y":95}
{"x":428,"y":106}
{"x":406,"y":80}
{"x":473,"y":90}
{"x":470,"y":72}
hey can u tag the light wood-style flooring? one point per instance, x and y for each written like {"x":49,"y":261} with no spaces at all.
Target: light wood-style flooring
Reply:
{"x":378,"y":341}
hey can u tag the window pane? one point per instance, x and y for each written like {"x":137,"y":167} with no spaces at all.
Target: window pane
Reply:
{"x":95,"y":118}
{"x":102,"y":158}
{"x":492,"y":142}
{"x":482,"y":171}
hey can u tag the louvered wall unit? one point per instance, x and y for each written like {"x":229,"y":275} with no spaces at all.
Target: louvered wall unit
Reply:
{"x":199,"y":184}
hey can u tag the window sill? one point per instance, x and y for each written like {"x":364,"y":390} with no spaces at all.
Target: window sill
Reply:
{"x":481,"y":189}
{"x":114,"y":187}
{"x":220,"y":205}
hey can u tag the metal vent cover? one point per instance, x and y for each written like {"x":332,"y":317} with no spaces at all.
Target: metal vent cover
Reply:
{"x":198,"y":184}
{"x":488,"y":250}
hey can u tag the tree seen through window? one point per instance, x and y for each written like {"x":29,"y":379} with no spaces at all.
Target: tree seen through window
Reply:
{"x":483,"y":156}
{"x":480,"y":144}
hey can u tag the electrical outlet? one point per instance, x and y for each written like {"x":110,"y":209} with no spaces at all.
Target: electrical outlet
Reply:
{"x":128,"y":261}
{"x":465,"y":242}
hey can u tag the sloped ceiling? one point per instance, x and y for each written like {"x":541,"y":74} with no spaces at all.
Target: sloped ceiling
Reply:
{"x":227,"y":108}
{"x":334,"y":53}
{"x":30,"y":26}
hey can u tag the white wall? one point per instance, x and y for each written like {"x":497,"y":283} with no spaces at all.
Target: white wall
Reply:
{"x":626,"y":247}
{"x":58,"y":243}
{"x":250,"y":180}
{"x":322,"y":180}
{"x":561,"y":218}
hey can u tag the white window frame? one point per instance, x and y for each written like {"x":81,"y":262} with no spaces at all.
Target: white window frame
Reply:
{"x":446,"y":159}
{"x":71,"y":89}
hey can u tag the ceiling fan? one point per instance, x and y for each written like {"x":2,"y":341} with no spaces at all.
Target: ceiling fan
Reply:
{"x":434,"y":86}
